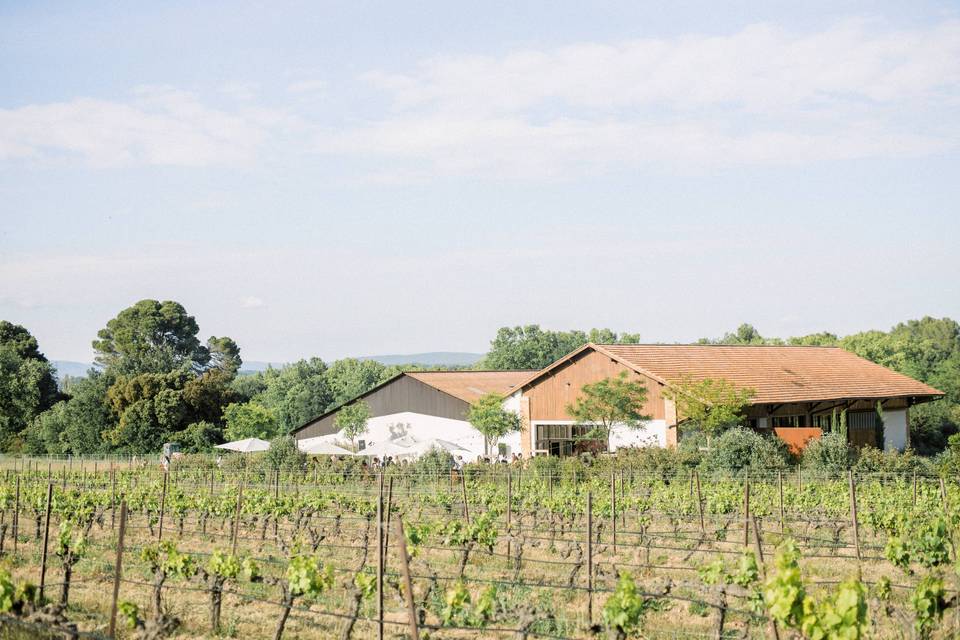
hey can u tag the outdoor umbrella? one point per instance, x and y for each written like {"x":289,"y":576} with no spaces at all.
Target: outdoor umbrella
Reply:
{"x":249,"y":445}
{"x":384,"y":448}
{"x":325,"y":449}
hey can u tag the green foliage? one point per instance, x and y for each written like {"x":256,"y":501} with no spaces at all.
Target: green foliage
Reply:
{"x":198,"y":437}
{"x":488,"y":416}
{"x":352,"y":421}
{"x":741,"y":449}
{"x":624,"y":610}
{"x":530,"y":347}
{"x":925,"y":541}
{"x":285,"y":454}
{"x":224,"y":355}
{"x":129,"y":613}
{"x":151,"y":337}
{"x":164,"y":556}
{"x":348,"y":378}
{"x":830,"y":453}
{"x":25,"y":391}
{"x":710,"y":405}
{"x":249,"y":420}
{"x":612,"y":401}
{"x":307,"y":576}
{"x":296,"y":393}
{"x":928,"y":601}
{"x":76,"y":426}
{"x":841,"y":614}
{"x":457,"y":610}
{"x":231,"y":567}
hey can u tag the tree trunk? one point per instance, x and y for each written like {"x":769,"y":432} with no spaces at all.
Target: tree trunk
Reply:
{"x":216,"y":600}
{"x":286,"y":603}
{"x":65,"y":586}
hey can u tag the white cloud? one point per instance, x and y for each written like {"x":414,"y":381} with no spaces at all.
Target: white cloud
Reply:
{"x":761,"y":96}
{"x":160,"y":126}
{"x":251,"y":302}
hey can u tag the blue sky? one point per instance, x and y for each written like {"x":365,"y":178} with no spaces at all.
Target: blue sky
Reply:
{"x":356,"y":178}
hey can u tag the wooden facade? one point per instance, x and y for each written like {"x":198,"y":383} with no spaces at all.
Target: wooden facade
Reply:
{"x":403,"y":393}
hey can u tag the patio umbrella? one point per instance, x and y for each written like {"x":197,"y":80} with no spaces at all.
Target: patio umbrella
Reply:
{"x":248,"y":445}
{"x":384,"y":448}
{"x":423,"y":446}
{"x":325,"y":449}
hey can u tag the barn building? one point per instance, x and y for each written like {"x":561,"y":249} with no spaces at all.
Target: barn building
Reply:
{"x":798,"y":391}
{"x":426,"y":405}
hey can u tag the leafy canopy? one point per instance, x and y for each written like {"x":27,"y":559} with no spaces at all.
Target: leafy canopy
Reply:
{"x":352,"y":420}
{"x":488,"y":416}
{"x":711,"y":405}
{"x":612,"y":401}
{"x":530,"y":347}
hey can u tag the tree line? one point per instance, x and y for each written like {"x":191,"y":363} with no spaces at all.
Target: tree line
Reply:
{"x":156,"y":381}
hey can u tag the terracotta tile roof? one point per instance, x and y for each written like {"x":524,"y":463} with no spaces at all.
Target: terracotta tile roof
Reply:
{"x":777,"y":373}
{"x":470,"y":386}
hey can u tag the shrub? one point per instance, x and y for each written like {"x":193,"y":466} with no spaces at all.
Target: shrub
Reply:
{"x":433,"y":462}
{"x":829,"y":454}
{"x":872,"y":460}
{"x":740,"y":449}
{"x":285,"y":454}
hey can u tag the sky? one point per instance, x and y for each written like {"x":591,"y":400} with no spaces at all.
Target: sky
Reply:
{"x":334,"y":179}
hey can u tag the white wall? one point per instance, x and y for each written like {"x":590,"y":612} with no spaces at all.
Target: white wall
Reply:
{"x":653,"y":433}
{"x":425,"y":427}
{"x":895,"y":429}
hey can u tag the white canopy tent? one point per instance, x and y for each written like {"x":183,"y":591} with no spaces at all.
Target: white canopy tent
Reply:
{"x":248,"y":445}
{"x":421,"y":447}
{"x":325,"y":449}
{"x":384,"y":448}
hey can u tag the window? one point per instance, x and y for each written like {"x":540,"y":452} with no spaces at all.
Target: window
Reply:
{"x":562,"y":439}
{"x":788,"y":421}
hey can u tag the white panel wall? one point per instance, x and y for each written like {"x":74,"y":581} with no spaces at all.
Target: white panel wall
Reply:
{"x":653,"y":433}
{"x":425,"y":427}
{"x":895,"y":430}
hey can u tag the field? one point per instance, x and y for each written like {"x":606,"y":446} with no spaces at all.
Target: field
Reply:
{"x":500,"y":552}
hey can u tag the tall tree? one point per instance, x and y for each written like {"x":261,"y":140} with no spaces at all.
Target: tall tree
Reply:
{"x":616,"y":401}
{"x":352,"y":420}
{"x":224,"y":355}
{"x":349,"y":378}
{"x":296,"y":393}
{"x":27,"y":383}
{"x":488,"y":416}
{"x":151,"y":337}
{"x":249,"y":420}
{"x":530,"y":347}
{"x":711,"y":405}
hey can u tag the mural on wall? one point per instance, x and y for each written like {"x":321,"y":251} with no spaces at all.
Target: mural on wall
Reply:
{"x":398,"y":430}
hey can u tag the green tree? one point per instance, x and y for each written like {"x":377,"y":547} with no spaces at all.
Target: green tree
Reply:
{"x":249,"y":420}
{"x":710,"y":405}
{"x":77,"y":425}
{"x":224,"y":355}
{"x":198,"y":437}
{"x":296,"y":393}
{"x":352,"y":421}
{"x":488,"y":416}
{"x":616,"y":401}
{"x":23,"y":383}
{"x":349,"y":378}
{"x":530,"y":347}
{"x":151,"y":337}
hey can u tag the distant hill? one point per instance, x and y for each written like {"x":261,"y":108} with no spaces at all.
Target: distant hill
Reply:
{"x":433,"y":358}
{"x":70,"y":368}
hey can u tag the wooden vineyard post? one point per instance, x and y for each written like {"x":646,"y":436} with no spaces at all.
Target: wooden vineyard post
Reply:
{"x":589,"y":559}
{"x":943,"y":496}
{"x":780,"y":490}
{"x":463,"y":487}
{"x":613,"y":506}
{"x":118,"y":569}
{"x":386,"y":529}
{"x":46,"y":538}
{"x":407,"y":582}
{"x":703,"y":528}
{"x":853,"y":513}
{"x":16,"y":517}
{"x":380,"y":557}
{"x":236,"y":519}
{"x":758,"y":544}
{"x":510,"y":514}
{"x":113,"y":497}
{"x":63,"y":477}
{"x":799,"y":480}
{"x":914,"y":487}
{"x":163,"y":506}
{"x":746,"y":512}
